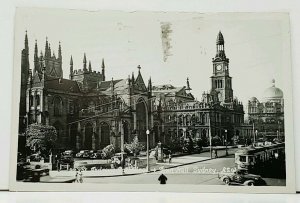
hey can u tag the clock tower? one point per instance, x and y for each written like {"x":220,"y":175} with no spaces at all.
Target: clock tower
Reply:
{"x":220,"y":80}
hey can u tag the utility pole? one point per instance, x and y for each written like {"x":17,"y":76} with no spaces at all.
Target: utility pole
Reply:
{"x":209,"y":133}
{"x":226,"y":142}
{"x":147,"y":133}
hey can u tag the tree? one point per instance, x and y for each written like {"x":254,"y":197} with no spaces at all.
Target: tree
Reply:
{"x":41,"y":137}
{"x":135,"y":146}
{"x":176,"y":143}
{"x":108,"y":151}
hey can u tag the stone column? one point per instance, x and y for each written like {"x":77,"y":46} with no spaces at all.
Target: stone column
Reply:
{"x":77,"y":136}
{"x":93,"y":136}
{"x":99,"y":140}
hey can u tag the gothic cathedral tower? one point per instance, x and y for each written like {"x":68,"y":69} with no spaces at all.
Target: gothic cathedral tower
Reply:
{"x":221,"y":81}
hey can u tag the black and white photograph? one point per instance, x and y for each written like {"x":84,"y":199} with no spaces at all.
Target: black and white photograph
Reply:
{"x":152,"y":101}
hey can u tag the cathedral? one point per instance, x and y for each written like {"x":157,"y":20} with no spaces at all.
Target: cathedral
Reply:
{"x":90,"y":112}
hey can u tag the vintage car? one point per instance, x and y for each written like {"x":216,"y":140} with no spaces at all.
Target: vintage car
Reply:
{"x":82,"y":153}
{"x":96,"y":155}
{"x":242,"y":177}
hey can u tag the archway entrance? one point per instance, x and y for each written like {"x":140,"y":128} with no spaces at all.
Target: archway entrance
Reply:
{"x":88,"y":139}
{"x":141,"y":120}
{"x":105,"y":135}
{"x":126,"y":132}
{"x":59,"y":131}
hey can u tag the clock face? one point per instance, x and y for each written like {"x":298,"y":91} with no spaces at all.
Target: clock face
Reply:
{"x":219,"y":67}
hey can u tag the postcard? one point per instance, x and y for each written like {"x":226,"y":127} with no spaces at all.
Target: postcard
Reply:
{"x":152,"y":101}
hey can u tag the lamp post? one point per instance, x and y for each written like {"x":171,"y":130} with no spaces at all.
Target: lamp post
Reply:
{"x":226,"y":142}
{"x":147,"y":133}
{"x":255,"y":135}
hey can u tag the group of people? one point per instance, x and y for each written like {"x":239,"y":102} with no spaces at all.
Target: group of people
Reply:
{"x":78,"y":176}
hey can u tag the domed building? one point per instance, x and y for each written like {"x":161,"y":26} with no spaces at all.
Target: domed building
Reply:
{"x":267,"y":116}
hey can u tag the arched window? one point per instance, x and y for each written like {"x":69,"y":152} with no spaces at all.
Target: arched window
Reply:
{"x":37,"y":99}
{"x":57,"y":105}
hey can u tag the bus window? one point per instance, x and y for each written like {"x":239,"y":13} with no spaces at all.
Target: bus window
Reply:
{"x":242,"y":158}
{"x":251,"y":160}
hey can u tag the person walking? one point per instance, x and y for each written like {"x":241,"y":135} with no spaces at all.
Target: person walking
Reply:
{"x":170,"y":157}
{"x":162,"y":179}
{"x":80,"y":176}
{"x":77,"y":176}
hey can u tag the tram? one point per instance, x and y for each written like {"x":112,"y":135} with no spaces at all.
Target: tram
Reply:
{"x":254,"y":157}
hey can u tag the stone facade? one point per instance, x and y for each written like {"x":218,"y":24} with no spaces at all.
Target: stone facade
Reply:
{"x":90,"y":112}
{"x":267,"y":115}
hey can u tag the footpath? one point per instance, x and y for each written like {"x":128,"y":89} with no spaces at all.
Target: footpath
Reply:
{"x":63,"y":176}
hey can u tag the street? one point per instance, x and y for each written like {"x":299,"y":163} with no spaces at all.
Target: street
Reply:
{"x":204,"y":172}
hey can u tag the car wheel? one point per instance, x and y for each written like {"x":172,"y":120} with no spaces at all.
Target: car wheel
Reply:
{"x":226,"y":181}
{"x":251,"y":184}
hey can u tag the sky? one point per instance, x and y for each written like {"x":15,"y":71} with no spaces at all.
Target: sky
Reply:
{"x":257,"y":45}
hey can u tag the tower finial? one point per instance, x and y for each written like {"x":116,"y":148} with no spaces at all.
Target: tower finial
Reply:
{"x":273,"y":82}
{"x":71,"y":61}
{"x":103,"y":69}
{"x":188,"y":84}
{"x":84,"y":63}
{"x":132,"y":78}
{"x":71,"y":68}
{"x":59,"y":51}
{"x":26,"y":41}
{"x":139,"y":67}
{"x":90,"y":66}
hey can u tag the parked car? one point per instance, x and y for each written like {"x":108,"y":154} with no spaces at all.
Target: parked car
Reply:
{"x":242,"y":177}
{"x":35,"y":157}
{"x":67,"y":159}
{"x":68,"y":152}
{"x":116,"y":160}
{"x":96,"y":155}
{"x":81,"y":153}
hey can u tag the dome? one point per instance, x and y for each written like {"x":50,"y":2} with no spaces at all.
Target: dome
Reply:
{"x":273,"y":92}
{"x":220,"y":39}
{"x":253,"y":99}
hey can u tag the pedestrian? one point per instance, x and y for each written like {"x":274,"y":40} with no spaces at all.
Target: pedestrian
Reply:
{"x":170,"y":157}
{"x":58,"y":165}
{"x":162,"y":179}
{"x":80,"y":176}
{"x":77,"y":176}
{"x":216,"y":153}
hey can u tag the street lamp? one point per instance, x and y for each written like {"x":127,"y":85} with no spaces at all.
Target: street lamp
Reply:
{"x":255,"y":136}
{"x":226,"y":142}
{"x":147,"y":133}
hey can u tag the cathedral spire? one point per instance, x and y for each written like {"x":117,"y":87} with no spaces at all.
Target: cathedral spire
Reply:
{"x":71,"y":68}
{"x":46,"y":46}
{"x":36,"y":51}
{"x":84,"y":63}
{"x":90,"y":66}
{"x":132,"y":78}
{"x":26,"y":42}
{"x":59,"y":51}
{"x":150,"y":85}
{"x":103,"y":69}
{"x":36,"y":57}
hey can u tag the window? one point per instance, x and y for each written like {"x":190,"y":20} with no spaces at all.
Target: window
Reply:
{"x":242,"y":158}
{"x":57,"y":105}
{"x":37,"y":99}
{"x":71,"y":107}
